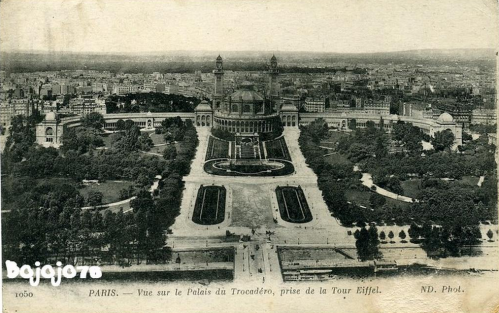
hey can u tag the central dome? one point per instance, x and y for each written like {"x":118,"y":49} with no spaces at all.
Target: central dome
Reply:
{"x":445,"y":118}
{"x":246,"y":93}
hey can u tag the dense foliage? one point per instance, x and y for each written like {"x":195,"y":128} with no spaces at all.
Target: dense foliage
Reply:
{"x":47,"y":219}
{"x":447,"y":203}
{"x":151,"y":102}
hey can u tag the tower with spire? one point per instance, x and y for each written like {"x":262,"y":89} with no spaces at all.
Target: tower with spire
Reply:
{"x":273,"y":92}
{"x":219,"y":82}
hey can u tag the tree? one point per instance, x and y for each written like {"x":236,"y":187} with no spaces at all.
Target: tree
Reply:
{"x":94,"y":198}
{"x":467,"y":137}
{"x":130,"y":140}
{"x":86,"y":220}
{"x":352,"y":124}
{"x":490,"y":234}
{"x":356,"y":234}
{"x":414,"y":231}
{"x":318,"y":130}
{"x":129,"y":124}
{"x":373,"y":242}
{"x":443,"y":140}
{"x":120,"y":125}
{"x":94,"y":120}
{"x":145,"y":142}
{"x":359,"y":152}
{"x":376,"y":200}
{"x":402,"y":235}
{"x":81,"y":139}
{"x":97,"y":221}
{"x":391,"y":235}
{"x":381,"y":147}
{"x":170,"y":153}
{"x":367,"y":243}
{"x":382,"y":235}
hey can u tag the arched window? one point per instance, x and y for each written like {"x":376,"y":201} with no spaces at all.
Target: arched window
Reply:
{"x":247,"y":108}
{"x":234,"y":108}
{"x":49,"y":132}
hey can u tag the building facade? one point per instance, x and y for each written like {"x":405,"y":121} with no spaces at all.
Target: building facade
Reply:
{"x":244,"y":110}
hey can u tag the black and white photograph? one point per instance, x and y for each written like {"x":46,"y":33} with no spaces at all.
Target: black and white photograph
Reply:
{"x":249,"y":156}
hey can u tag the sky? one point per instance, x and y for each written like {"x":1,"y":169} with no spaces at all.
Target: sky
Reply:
{"x":345,"y":26}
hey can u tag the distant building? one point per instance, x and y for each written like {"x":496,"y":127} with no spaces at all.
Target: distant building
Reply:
{"x":125,"y":89}
{"x":13,"y":107}
{"x":315,"y":105}
{"x":160,"y":87}
{"x":84,"y":105}
{"x":171,"y":89}
{"x":378,"y":106}
{"x":483,"y":116}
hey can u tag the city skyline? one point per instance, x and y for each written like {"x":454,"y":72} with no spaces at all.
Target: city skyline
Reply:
{"x":267,"y":26}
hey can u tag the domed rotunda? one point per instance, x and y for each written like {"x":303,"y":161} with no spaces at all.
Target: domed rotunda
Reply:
{"x":245,"y":110}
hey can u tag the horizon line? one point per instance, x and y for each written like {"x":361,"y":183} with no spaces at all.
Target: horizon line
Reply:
{"x":239,"y":51}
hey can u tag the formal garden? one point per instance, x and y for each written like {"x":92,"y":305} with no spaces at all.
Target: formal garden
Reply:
{"x":217,"y":149}
{"x":277,"y":149}
{"x":210,"y":205}
{"x":293,"y":206}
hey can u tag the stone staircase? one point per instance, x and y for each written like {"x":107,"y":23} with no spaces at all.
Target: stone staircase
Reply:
{"x":247,"y":151}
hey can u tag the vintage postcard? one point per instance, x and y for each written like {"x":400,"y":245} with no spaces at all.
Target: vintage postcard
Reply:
{"x":249,"y":156}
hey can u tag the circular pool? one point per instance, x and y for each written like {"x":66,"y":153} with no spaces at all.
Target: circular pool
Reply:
{"x":224,"y":167}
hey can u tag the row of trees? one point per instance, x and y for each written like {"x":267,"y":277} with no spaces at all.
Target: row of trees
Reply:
{"x":445,"y":241}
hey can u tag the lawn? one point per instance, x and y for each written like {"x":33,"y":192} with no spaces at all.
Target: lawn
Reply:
{"x":205,"y":256}
{"x":277,"y":149}
{"x":51,"y":180}
{"x":411,"y":188}
{"x":217,"y":149}
{"x":362,"y":198}
{"x":251,"y":206}
{"x":158,"y":150}
{"x":468,"y":180}
{"x":337,"y":158}
{"x":333,"y":137}
{"x":157,"y":138}
{"x":110,"y":190}
{"x":107,"y":140}
{"x":180,"y":147}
